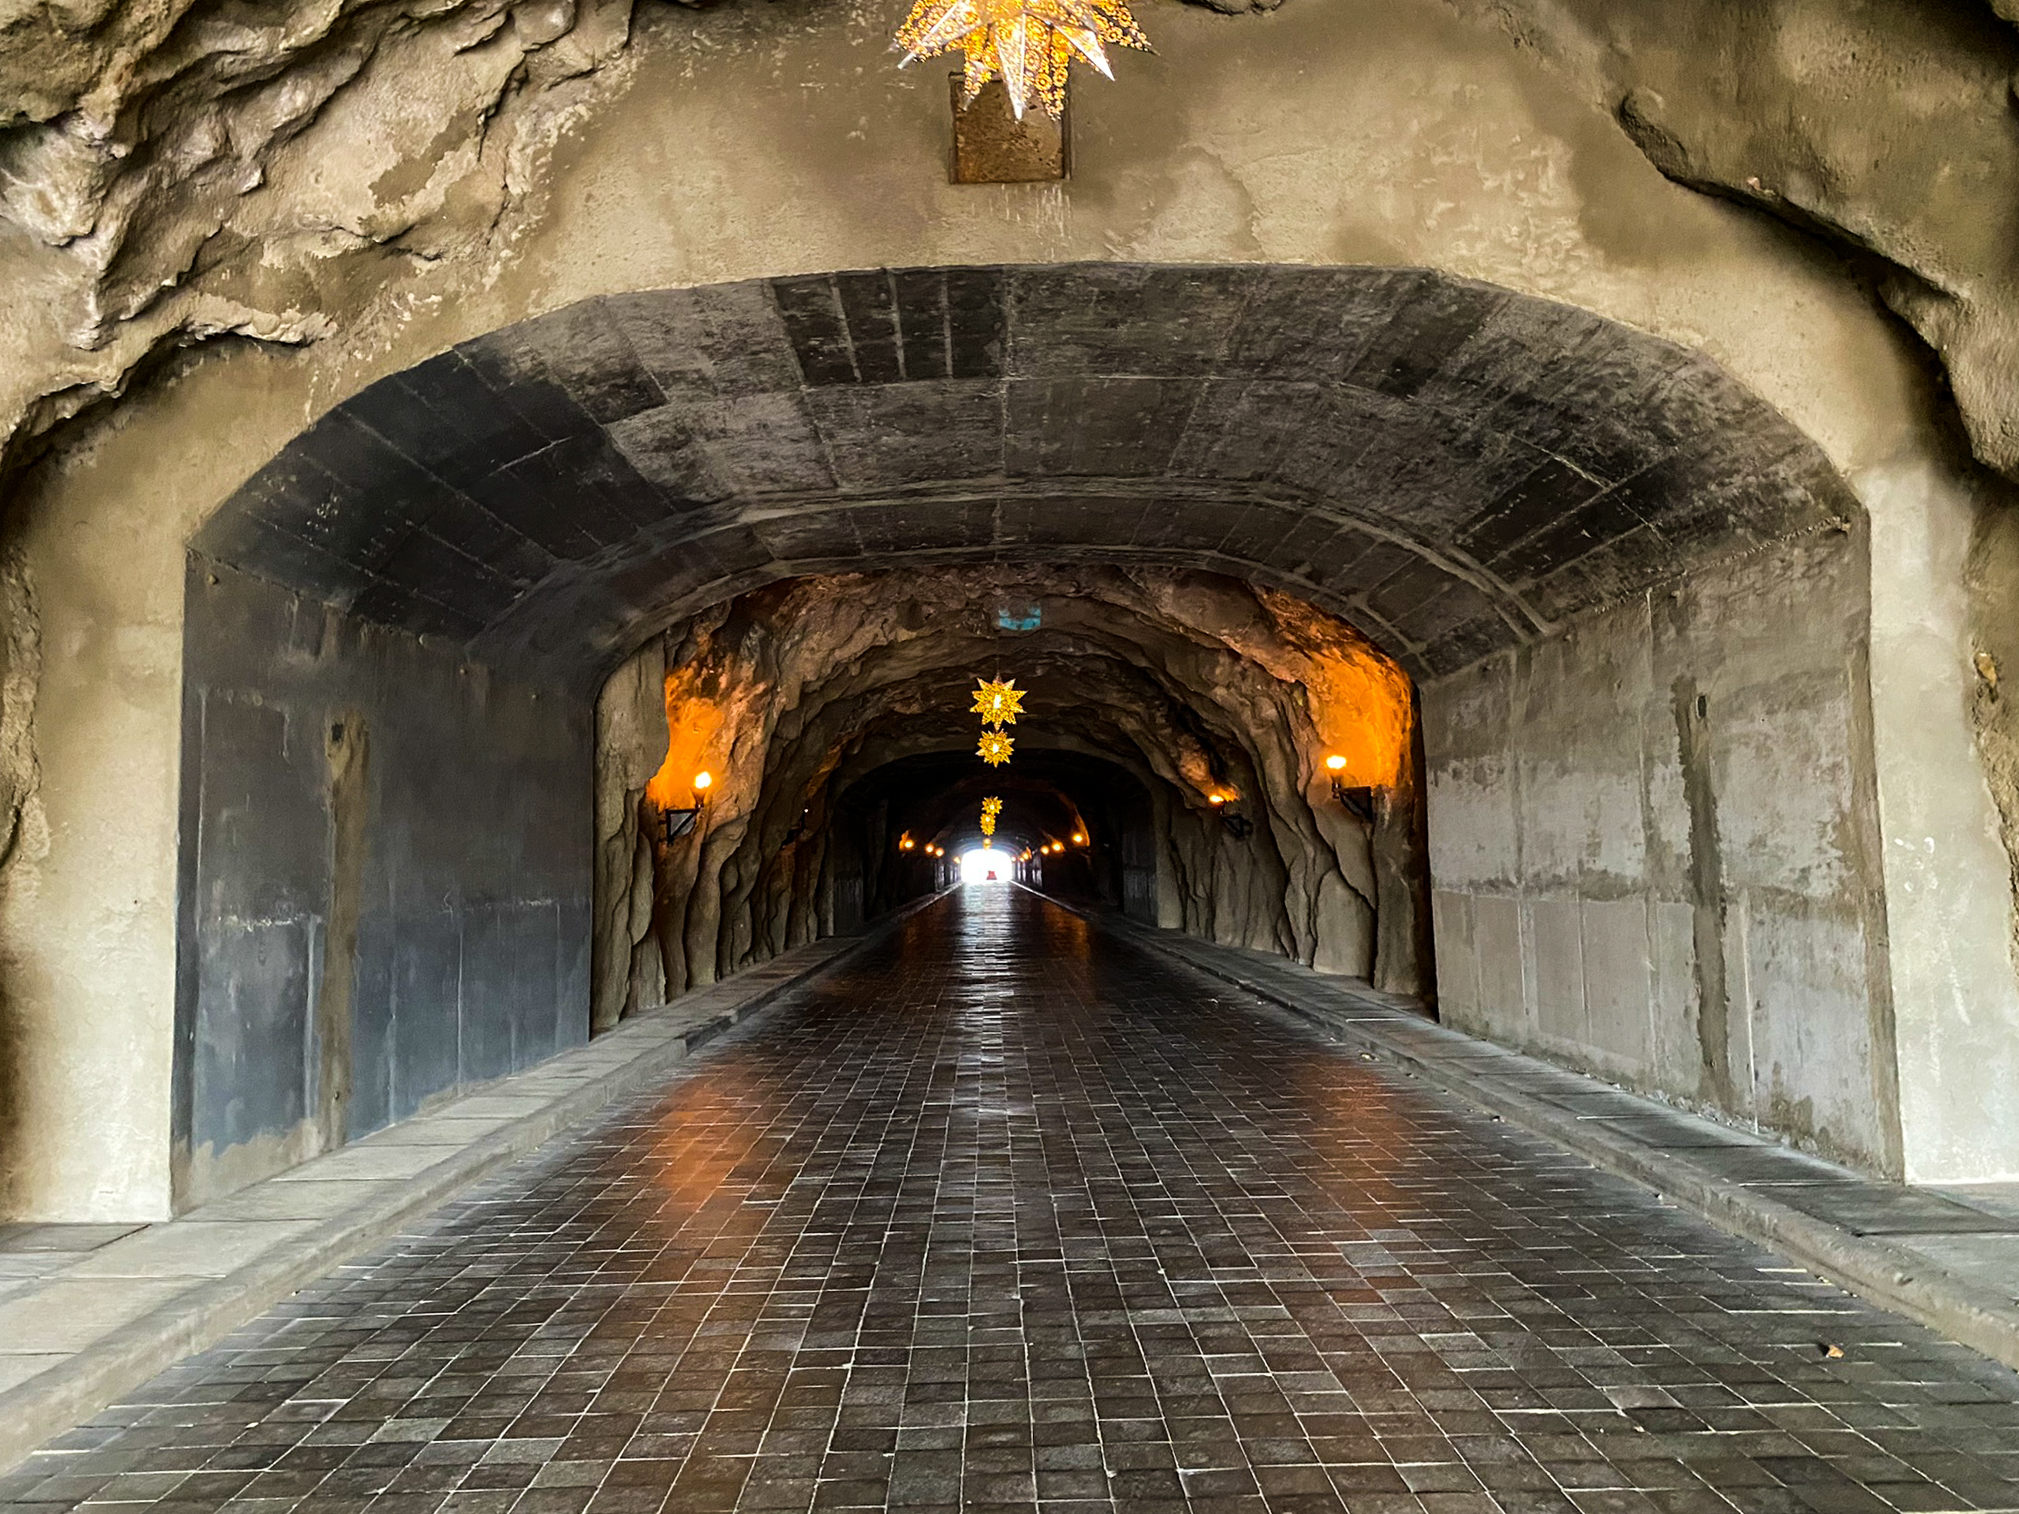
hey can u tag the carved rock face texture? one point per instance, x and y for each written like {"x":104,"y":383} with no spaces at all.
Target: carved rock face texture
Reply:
{"x":181,"y":171}
{"x":1886,"y":127}
{"x":1450,"y":467}
{"x":833,"y":715}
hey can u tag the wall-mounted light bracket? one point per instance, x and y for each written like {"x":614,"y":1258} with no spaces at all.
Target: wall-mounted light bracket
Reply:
{"x":1357,"y":801}
{"x":679,"y":823}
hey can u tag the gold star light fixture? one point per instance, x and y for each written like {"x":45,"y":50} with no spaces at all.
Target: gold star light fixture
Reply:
{"x":999,"y":704}
{"x":995,"y":748}
{"x":1026,"y":43}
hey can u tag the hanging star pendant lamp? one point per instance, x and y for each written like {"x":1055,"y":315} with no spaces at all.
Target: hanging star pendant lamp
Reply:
{"x":1027,"y":43}
{"x":995,"y":748}
{"x":999,"y":704}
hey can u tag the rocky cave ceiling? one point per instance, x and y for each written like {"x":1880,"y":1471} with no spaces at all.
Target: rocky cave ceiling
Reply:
{"x":1197,"y":681}
{"x":180,"y":172}
{"x":849,"y":695}
{"x":1448,"y":466}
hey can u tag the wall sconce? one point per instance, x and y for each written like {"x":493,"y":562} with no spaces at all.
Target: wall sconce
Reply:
{"x":1357,"y":801}
{"x":1241,"y":826}
{"x":679,"y":822}
{"x":1079,"y":838}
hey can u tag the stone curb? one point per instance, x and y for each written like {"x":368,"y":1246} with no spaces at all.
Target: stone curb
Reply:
{"x":1892,"y":1277}
{"x":68,"y":1394}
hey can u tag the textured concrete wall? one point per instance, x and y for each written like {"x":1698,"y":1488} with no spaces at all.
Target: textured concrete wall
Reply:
{"x":385,"y":879}
{"x":1654,"y":849}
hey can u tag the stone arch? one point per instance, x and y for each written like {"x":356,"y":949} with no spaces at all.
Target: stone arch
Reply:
{"x":1458,"y":477}
{"x":1453,"y":467}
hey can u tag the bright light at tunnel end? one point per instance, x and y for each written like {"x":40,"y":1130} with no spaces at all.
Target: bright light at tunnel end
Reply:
{"x":985,"y":865}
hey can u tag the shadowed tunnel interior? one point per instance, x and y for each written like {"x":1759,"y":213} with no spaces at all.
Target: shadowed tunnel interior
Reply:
{"x":1247,"y":536}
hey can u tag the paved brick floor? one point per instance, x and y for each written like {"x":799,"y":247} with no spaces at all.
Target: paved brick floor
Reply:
{"x":1009,"y":1216}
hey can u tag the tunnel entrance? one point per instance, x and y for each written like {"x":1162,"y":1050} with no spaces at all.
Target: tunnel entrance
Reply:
{"x":985,"y":865}
{"x":1346,"y":596}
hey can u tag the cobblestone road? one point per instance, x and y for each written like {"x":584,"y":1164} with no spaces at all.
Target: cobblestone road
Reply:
{"x":1007,"y":1215}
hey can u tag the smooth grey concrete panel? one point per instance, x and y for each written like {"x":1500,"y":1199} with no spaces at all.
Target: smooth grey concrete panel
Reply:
{"x":2000,"y":1199}
{"x":448,"y":1130}
{"x":1894,"y":1211}
{"x":1652,"y":838}
{"x":196,"y":1248}
{"x":1669,"y":1130}
{"x":66,"y":1314}
{"x":61,"y":1239}
{"x":391,"y":862}
{"x":17,"y":1367}
{"x":1993,"y":1259}
{"x":311,"y":1198}
{"x":372,"y":1162}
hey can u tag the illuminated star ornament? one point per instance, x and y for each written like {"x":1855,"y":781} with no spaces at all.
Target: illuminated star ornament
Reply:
{"x":990,"y":808}
{"x":1027,"y":43}
{"x":999,"y":704}
{"x":995,"y":748}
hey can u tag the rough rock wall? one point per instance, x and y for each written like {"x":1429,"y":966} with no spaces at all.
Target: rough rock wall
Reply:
{"x":179,"y":172}
{"x":1885,"y":127}
{"x":21,"y":828}
{"x":1202,"y":688}
{"x":1994,"y":626}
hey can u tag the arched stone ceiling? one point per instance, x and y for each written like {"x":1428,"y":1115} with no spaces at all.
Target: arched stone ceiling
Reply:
{"x":1450,"y":466}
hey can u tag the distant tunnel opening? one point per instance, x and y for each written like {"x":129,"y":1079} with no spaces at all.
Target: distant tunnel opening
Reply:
{"x":986,"y":864}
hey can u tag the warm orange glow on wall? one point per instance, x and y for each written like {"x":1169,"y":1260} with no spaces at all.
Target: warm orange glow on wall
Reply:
{"x":1359,"y":701}
{"x":694,"y":731}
